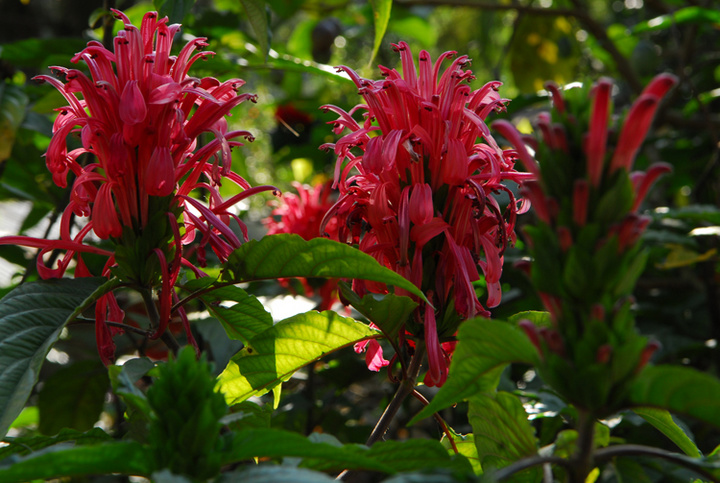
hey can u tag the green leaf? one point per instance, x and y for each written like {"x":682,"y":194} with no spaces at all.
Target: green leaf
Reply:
{"x":416,"y":454}
{"x":291,"y":63}
{"x":248,"y":415}
{"x":484,"y":348}
{"x":538,"y":317}
{"x":381,"y":16}
{"x":275,"y":474}
{"x":684,"y":15}
{"x":288,"y":255}
{"x":243,"y":320}
{"x":389,"y":312}
{"x":175,"y":10}
{"x":680,"y":390}
{"x":663,"y":422}
{"x":29,"y":416}
{"x":26,"y":445}
{"x":13,"y":102}
{"x":502,"y":432}
{"x":128,"y":458}
{"x":257,"y":15}
{"x":275,"y":354}
{"x":73,"y":397}
{"x":31,"y":319}
{"x":465,"y":444}
{"x":275,"y":443}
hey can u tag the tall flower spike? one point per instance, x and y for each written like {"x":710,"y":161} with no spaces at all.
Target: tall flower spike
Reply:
{"x":139,"y":114}
{"x":418,"y":179}
{"x":587,"y":255}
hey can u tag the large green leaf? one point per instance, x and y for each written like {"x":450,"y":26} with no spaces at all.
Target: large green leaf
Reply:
{"x":275,"y":354}
{"x":275,"y":443}
{"x":502,"y":432}
{"x":679,"y":390}
{"x":128,"y":458}
{"x":381,"y":16}
{"x":274,"y":474}
{"x":389,"y":312}
{"x":484,"y":348}
{"x":244,"y":319}
{"x":288,"y":255}
{"x":25,"y":445}
{"x":73,"y":397}
{"x":31,"y":319}
{"x":416,"y":455}
{"x":386,"y":456}
{"x":256,"y":11}
{"x":663,"y":422}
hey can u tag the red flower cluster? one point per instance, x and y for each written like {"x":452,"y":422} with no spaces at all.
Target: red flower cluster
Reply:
{"x":140,"y":115}
{"x":302,"y":214}
{"x":419,"y":193}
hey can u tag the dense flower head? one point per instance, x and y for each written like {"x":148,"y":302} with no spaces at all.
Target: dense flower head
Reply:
{"x":585,"y":246}
{"x":140,"y":116}
{"x":420,"y":180}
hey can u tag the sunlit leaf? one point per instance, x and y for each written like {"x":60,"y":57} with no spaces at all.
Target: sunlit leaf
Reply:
{"x":484,"y":348}
{"x":286,"y":256}
{"x":663,"y":422}
{"x":465,"y":444}
{"x":242,"y":320}
{"x":381,"y":16}
{"x":275,"y":354}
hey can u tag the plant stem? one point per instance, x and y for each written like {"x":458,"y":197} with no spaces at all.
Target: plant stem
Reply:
{"x":154,"y":317}
{"x":407,"y":386}
{"x":438,"y":419}
{"x":583,"y":460}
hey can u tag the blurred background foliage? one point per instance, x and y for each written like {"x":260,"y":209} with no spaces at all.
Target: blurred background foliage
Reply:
{"x":286,"y":50}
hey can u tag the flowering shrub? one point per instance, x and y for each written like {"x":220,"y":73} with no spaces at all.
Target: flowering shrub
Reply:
{"x":419,"y":193}
{"x":412,"y":232}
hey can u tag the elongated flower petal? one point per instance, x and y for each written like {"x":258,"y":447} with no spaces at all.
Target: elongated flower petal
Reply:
{"x":597,"y":137}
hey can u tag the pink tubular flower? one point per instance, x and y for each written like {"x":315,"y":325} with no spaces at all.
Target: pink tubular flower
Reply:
{"x":418,"y":188}
{"x":139,"y":115}
{"x":302,"y":214}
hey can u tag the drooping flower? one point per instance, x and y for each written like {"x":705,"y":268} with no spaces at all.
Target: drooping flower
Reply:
{"x":421,"y":181}
{"x":585,"y":243}
{"x":302,"y":214}
{"x":140,"y":116}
